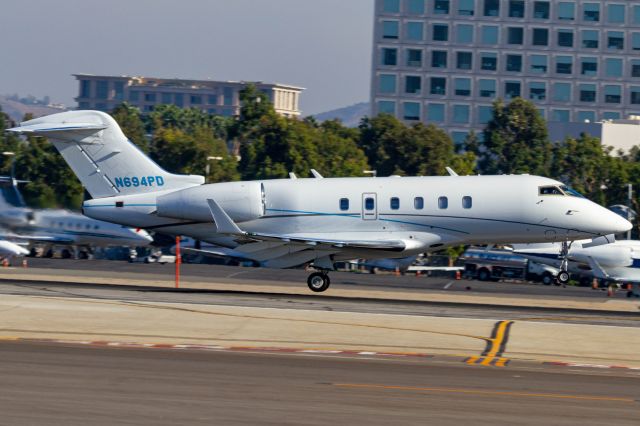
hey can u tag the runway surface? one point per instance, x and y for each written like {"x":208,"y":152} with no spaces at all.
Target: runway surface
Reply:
{"x":60,"y":385}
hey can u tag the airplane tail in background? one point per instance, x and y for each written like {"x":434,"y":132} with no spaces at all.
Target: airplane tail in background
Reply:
{"x":102,"y":157}
{"x":10,"y":196}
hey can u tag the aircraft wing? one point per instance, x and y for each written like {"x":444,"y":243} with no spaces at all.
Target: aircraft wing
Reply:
{"x":417,"y":268}
{"x":619,"y":274}
{"x":36,"y":238}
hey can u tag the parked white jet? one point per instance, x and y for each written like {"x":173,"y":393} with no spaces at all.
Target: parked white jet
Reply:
{"x":618,"y":262}
{"x":285,"y":223}
{"x":52,"y":227}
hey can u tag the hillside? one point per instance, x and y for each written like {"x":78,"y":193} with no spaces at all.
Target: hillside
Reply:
{"x":350,"y":116}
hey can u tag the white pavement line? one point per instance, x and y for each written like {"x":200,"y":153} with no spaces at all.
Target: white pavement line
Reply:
{"x":449,"y":284}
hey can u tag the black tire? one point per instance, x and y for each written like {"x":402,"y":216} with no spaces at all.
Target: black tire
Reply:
{"x":547,"y":278}
{"x":563,"y":277}
{"x":318,"y":282}
{"x":66,"y":254}
{"x":484,"y":275}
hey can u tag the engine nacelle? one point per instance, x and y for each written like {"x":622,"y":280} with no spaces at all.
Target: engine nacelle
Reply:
{"x":243,"y":201}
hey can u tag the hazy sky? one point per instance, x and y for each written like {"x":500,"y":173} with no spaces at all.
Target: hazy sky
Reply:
{"x":322,"y":45}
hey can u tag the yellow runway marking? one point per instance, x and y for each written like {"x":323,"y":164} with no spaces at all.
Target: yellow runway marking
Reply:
{"x":483,"y":392}
{"x":496,"y":345}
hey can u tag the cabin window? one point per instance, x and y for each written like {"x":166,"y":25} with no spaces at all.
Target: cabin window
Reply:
{"x":418,"y":203}
{"x":395,"y":203}
{"x":551,"y":190}
{"x":443,"y":203}
{"x":119,"y":203}
{"x":369,"y":204}
{"x":467,"y":202}
{"x":344,"y":204}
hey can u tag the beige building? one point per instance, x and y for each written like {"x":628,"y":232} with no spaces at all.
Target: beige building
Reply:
{"x":104,"y":93}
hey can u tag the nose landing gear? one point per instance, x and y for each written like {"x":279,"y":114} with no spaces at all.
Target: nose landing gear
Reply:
{"x":318,"y":281}
{"x":563,"y":275}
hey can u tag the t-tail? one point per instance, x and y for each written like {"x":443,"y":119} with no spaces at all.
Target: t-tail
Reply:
{"x":102,"y":157}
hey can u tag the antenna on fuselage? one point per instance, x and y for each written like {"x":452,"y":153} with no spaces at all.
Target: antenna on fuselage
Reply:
{"x":292,"y":175}
{"x":451,"y":171}
{"x":315,"y":174}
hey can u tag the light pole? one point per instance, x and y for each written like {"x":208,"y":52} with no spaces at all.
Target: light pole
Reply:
{"x":373,"y":173}
{"x":207,"y":168}
{"x":13,"y":161}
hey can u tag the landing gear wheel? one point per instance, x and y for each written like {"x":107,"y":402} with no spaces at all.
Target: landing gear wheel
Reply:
{"x":318,"y":282}
{"x":563,"y":277}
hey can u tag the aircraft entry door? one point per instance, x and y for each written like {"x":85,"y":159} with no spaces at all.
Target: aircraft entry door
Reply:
{"x":369,"y":206}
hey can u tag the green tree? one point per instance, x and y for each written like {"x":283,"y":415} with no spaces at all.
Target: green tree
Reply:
{"x":515,"y":140}
{"x":128,"y":117}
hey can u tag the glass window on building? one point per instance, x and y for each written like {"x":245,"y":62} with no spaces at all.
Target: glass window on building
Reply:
{"x":85,"y":88}
{"x":491,"y":8}
{"x":435,"y":113}
{"x":589,"y":66}
{"x":566,"y":10}
{"x":611,"y":115}
{"x":466,"y":7}
{"x":615,"y":40}
{"x":440,"y":32}
{"x":587,"y":92}
{"x":389,"y":56}
{"x":489,"y":34}
{"x":564,"y":65}
{"x":512,"y":89}
{"x":541,"y":9}
{"x":586,"y":116}
{"x":515,"y":35}
{"x":411,"y":111}
{"x":635,"y":95}
{"x":615,"y":13}
{"x":83,"y":105}
{"x":459,"y":137}
{"x":228,"y":96}
{"x":149,"y":97}
{"x":179,"y":100}
{"x":590,"y":39}
{"x":118,"y":90}
{"x":489,"y":61}
{"x":387,"y":107}
{"x":613,"y":67}
{"x":591,"y":12}
{"x":438,"y":86}
{"x":636,"y":14}
{"x":391,"y":6}
{"x":387,"y":83}
{"x":539,"y":64}
{"x":485,"y":114}
{"x":464,"y":33}
{"x":612,"y":94}
{"x":195,"y":100}
{"x":486,"y":88}
{"x":390,"y":29}
{"x":514,"y":63}
{"x":537,"y":91}
{"x":464,"y":60}
{"x":441,"y":7}
{"x":414,"y":57}
{"x":415,"y":7}
{"x":134,"y":95}
{"x":562,"y":92}
{"x":439,"y":59}
{"x":635,"y":68}
{"x":516,"y":8}
{"x":635,"y":41}
{"x":542,"y":112}
{"x":102,"y":89}
{"x":461,"y":114}
{"x":565,"y":38}
{"x":213,"y":99}
{"x":166,"y":98}
{"x":412,"y":84}
{"x":462,"y":86}
{"x":540,"y":37}
{"x":101,"y":106}
{"x":415,"y":31}
{"x":561,"y":115}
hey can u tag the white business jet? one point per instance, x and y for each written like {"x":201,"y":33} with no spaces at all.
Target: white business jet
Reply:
{"x":618,"y":262}
{"x":284,"y":223}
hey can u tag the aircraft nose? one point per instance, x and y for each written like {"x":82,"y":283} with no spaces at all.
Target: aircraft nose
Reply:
{"x":618,"y":223}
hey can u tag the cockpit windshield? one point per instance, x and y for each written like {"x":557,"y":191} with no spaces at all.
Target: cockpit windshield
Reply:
{"x":562,"y":190}
{"x":571,"y":192}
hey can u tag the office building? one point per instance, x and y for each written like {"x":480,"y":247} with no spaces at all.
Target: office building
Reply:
{"x":104,"y":93}
{"x":445,"y":61}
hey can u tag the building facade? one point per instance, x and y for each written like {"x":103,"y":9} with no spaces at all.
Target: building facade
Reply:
{"x":445,"y":61}
{"x":104,"y":93}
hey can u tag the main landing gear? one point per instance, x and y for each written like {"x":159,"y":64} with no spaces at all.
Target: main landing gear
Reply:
{"x":318,"y":281}
{"x":563,"y":275}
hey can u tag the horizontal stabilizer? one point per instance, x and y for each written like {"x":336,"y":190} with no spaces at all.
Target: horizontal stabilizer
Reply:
{"x":50,"y":127}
